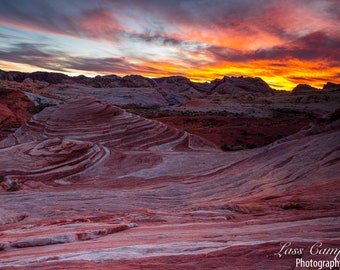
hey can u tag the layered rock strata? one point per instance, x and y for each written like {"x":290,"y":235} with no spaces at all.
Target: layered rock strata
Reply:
{"x":100,"y":188}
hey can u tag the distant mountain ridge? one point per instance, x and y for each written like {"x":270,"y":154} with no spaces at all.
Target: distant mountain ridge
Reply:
{"x":178,"y":84}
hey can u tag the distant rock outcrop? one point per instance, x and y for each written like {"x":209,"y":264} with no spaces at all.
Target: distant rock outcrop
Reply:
{"x":49,"y":77}
{"x":137,"y":81}
{"x":305,"y":89}
{"x":331,"y":87}
{"x":241,"y":85}
{"x":103,"y":81}
{"x":13,"y":76}
{"x":179,"y":85}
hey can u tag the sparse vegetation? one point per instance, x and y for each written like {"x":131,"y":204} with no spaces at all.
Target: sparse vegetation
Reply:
{"x":39,"y":108}
{"x":292,"y":206}
{"x":148,"y":112}
{"x":244,"y":133}
{"x":226,"y":147}
{"x":335,"y":115}
{"x":13,"y":186}
{"x":251,"y":145}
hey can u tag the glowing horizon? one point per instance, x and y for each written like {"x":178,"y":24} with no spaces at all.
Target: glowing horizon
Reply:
{"x":283,"y":42}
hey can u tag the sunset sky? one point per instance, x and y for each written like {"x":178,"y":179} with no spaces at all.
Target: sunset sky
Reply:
{"x":283,"y":42}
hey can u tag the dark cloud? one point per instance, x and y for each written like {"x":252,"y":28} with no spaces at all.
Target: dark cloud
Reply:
{"x":110,"y":65}
{"x":68,"y":17}
{"x":39,"y":55}
{"x":5,"y":36}
{"x":101,"y":65}
{"x":74,"y":18}
{"x":37,"y":14}
{"x":276,"y":17}
{"x":164,"y":40}
{"x":220,"y":53}
{"x":98,"y":19}
{"x":32,"y":54}
{"x":314,"y":46}
{"x":156,"y":38}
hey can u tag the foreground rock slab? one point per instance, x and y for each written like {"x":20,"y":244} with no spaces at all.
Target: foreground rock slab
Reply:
{"x":101,"y":188}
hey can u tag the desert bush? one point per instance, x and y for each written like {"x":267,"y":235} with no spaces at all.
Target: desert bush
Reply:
{"x":251,"y":145}
{"x":38,"y":108}
{"x":244,"y":133}
{"x":13,"y":186}
{"x":226,"y":147}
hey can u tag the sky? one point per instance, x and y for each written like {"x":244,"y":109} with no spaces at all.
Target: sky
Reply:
{"x":285,"y":42}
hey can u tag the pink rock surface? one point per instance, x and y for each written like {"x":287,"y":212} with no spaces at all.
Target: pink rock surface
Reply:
{"x":101,"y":188}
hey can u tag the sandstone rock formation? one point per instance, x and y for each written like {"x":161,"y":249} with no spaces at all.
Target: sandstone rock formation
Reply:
{"x":305,"y":89}
{"x":178,"y":85}
{"x":241,"y":85}
{"x":137,"y":81}
{"x":178,"y":89}
{"x":331,"y":87}
{"x":101,"y":188}
{"x":14,"y":110}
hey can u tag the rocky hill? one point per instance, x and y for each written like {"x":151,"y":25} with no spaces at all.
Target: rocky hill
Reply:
{"x":240,"y":85}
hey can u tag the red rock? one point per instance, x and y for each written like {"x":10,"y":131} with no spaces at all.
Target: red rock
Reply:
{"x":7,"y":116}
{"x":237,"y":131}
{"x":14,"y":112}
{"x":95,"y":121}
{"x":87,"y":168}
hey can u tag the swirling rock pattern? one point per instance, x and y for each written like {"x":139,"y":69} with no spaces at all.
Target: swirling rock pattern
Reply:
{"x":88,"y":169}
{"x":50,"y":159}
{"x":92,"y":120}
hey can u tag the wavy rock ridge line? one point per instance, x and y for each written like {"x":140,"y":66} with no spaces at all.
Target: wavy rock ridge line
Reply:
{"x":60,"y":233}
{"x":68,"y":139}
{"x":50,"y":159}
{"x":88,"y":119}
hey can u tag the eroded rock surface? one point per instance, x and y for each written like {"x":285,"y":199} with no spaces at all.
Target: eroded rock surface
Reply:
{"x":14,"y":110}
{"x":101,"y":188}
